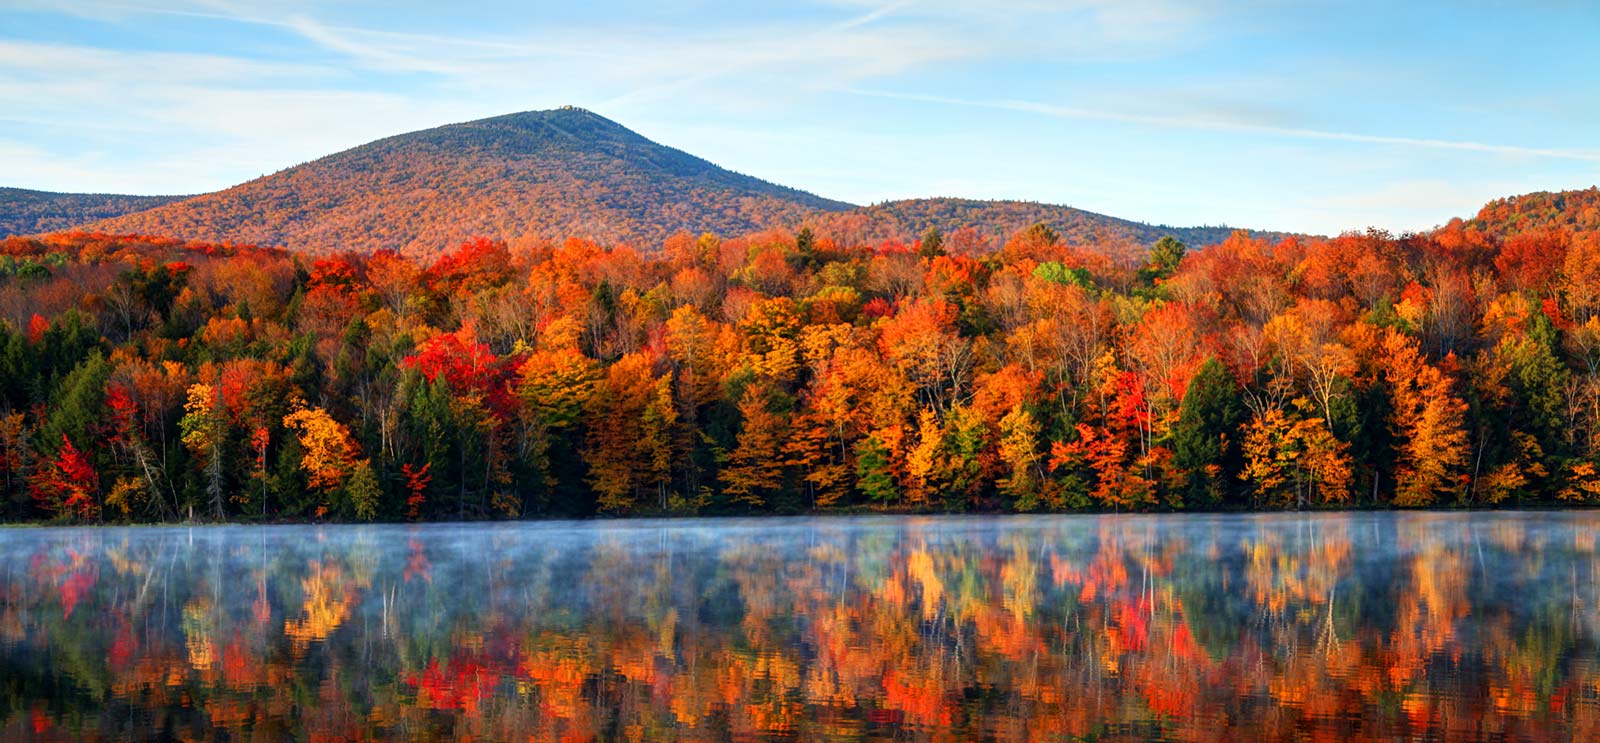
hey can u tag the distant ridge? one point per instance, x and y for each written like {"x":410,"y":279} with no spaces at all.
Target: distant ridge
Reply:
{"x":27,"y":212}
{"x":998,"y":220}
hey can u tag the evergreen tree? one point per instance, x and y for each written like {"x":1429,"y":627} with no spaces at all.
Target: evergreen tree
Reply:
{"x":932,"y":243}
{"x":873,"y":476}
{"x":1165,"y":256}
{"x":1204,"y":448}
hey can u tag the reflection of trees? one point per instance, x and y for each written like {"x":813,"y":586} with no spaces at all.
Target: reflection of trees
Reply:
{"x":1355,"y":627}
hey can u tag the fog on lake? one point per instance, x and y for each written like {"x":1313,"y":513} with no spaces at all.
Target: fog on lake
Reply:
{"x":1333,"y":626}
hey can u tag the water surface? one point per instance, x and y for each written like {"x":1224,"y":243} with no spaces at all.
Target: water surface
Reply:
{"x":1368,"y":626}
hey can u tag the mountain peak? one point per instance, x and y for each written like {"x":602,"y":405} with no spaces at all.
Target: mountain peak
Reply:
{"x":553,"y":173}
{"x":563,"y":116}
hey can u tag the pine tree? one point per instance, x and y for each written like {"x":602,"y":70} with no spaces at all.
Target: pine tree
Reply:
{"x":932,"y":243}
{"x":362,"y":491}
{"x":1203,"y":446}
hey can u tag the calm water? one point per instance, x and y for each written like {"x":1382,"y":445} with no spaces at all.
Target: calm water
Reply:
{"x":1208,"y":628}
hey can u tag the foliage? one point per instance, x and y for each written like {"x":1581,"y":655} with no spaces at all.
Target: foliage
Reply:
{"x":774,"y":372}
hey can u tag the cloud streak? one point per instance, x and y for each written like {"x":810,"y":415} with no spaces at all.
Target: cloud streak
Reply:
{"x":1218,"y":125}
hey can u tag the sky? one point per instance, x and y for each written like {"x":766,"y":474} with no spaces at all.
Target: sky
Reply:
{"x":1306,"y":116}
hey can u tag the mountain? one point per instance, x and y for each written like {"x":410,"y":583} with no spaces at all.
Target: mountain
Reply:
{"x":554,"y":173}
{"x":559,"y":173}
{"x":998,"y":220}
{"x":25,"y":212}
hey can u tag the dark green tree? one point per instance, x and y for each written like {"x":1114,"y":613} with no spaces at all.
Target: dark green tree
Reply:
{"x":932,"y":243}
{"x":1204,"y":440}
{"x":1165,"y":256}
{"x":872,"y":471}
{"x":78,"y":406}
{"x":805,"y":247}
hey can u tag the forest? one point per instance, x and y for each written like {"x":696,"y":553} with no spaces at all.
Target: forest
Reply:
{"x":152,"y":379}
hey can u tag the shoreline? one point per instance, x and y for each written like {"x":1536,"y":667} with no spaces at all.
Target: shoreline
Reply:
{"x":832,"y":515}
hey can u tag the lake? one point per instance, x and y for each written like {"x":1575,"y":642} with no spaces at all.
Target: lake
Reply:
{"x":1339,"y":626}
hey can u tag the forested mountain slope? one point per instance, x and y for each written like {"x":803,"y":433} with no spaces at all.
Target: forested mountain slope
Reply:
{"x":551,"y":173}
{"x":27,"y":212}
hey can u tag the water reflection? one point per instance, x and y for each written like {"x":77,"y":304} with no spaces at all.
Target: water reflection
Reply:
{"x":1189,"y":628}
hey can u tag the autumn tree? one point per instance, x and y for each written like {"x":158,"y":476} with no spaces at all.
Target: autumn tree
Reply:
{"x":1427,"y":420}
{"x":1023,"y":461}
{"x":928,"y":464}
{"x":1294,"y":461}
{"x":754,"y":470}
{"x":205,"y":432}
{"x":66,"y":485}
{"x":628,"y":445}
{"x":329,"y":460}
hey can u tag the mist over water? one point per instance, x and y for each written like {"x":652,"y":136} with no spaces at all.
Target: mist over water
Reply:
{"x":1338,"y":626}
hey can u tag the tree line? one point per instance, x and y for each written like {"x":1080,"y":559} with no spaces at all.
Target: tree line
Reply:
{"x":148,"y":378}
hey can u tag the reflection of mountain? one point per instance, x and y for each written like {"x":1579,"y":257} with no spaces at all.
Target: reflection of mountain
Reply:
{"x":1216,"y":628}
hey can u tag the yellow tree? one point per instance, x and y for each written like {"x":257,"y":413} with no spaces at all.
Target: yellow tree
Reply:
{"x":1022,"y":460}
{"x":928,"y":463}
{"x":329,"y":456}
{"x":1295,"y":462}
{"x":205,"y":428}
{"x":1581,"y":277}
{"x":656,"y":439}
{"x":554,"y":387}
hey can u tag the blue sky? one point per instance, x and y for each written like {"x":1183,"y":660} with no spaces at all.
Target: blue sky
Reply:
{"x":1314,"y":116}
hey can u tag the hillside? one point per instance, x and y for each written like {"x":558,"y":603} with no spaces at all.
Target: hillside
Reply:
{"x":995,"y":221}
{"x":1573,"y":210}
{"x":553,"y":173}
{"x":28,"y":212}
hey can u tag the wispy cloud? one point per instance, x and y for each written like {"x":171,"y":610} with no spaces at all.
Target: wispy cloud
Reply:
{"x":185,"y":95}
{"x":838,"y":43}
{"x":81,"y":118}
{"x":1223,"y":125}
